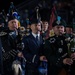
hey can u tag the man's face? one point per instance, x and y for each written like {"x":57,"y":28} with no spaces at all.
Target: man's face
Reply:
{"x":61,"y":30}
{"x":45,"y":26}
{"x":58,"y":30}
{"x":39,"y":26}
{"x":34,"y":28}
{"x":13,"y":24}
{"x":69,"y":30}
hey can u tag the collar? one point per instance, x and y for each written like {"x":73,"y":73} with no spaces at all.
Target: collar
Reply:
{"x":35,"y":35}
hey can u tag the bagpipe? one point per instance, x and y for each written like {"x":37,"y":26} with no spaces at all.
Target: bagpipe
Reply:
{"x":8,"y":55}
{"x":71,"y":44}
{"x":18,"y":65}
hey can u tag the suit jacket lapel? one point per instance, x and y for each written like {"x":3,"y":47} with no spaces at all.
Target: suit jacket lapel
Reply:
{"x":34,"y":40}
{"x":41,"y":40}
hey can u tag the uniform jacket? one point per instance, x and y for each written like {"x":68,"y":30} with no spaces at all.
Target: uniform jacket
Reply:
{"x":32,"y":50}
{"x":55,"y":50}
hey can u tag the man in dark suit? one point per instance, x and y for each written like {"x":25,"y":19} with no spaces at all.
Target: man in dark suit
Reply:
{"x":32,"y":49}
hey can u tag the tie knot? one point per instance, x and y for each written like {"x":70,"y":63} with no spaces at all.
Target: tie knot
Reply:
{"x":36,"y":36}
{"x":37,"y":39}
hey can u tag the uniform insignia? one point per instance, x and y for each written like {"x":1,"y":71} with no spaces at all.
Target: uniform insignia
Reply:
{"x":52,"y":40}
{"x":60,"y":50}
{"x":2,"y":33}
{"x":61,"y":42}
{"x":68,"y":39}
{"x":58,"y":22}
{"x":11,"y":33}
{"x":73,"y":49}
{"x":22,"y":45}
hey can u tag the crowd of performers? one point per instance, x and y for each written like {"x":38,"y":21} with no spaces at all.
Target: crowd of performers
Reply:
{"x":36,"y":50}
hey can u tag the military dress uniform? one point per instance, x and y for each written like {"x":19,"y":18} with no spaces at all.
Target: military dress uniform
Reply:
{"x":32,"y":48}
{"x":31,"y":53}
{"x":8,"y":55}
{"x":9,"y":48}
{"x":55,"y":50}
{"x":11,"y":43}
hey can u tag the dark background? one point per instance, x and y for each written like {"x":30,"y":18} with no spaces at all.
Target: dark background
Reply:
{"x":4,"y":4}
{"x":65,"y":8}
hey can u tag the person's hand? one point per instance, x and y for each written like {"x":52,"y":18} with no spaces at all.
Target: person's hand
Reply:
{"x":0,"y":25}
{"x":43,"y":58}
{"x":68,"y":61}
{"x":73,"y":56}
{"x":20,"y":54}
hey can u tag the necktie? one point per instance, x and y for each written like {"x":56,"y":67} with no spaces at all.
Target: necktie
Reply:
{"x":37,"y":39}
